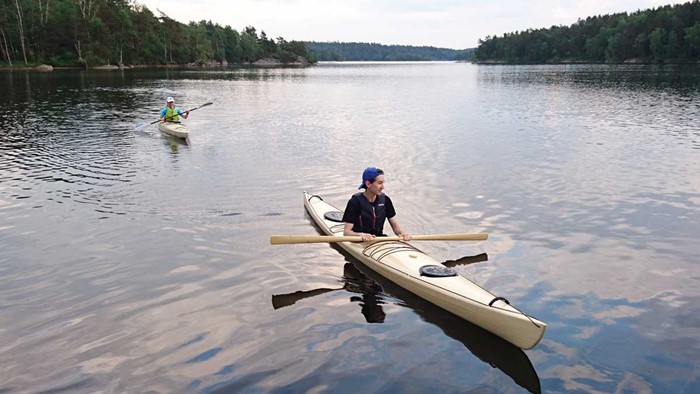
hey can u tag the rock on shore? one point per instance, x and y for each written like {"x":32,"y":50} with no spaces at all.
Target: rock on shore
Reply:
{"x":108,"y":67}
{"x":270,"y":62}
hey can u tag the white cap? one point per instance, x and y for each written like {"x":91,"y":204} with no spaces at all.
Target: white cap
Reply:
{"x":170,"y":100}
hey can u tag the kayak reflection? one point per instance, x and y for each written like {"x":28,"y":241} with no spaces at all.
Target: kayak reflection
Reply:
{"x":371,"y":300}
{"x":486,"y":346}
{"x":355,"y":281}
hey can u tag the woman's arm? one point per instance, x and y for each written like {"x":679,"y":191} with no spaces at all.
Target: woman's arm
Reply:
{"x":347,"y":231}
{"x":397,"y":229}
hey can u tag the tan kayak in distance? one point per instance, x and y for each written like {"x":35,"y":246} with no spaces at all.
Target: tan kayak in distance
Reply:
{"x":425,"y":277}
{"x":174,"y":129}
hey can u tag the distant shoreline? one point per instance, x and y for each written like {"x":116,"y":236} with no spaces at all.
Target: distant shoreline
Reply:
{"x":570,"y":62}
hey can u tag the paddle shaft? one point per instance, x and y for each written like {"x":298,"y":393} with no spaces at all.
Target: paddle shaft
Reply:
{"x":172,"y":116}
{"x":310,"y":239}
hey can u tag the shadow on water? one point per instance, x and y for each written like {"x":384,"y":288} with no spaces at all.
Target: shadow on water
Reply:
{"x":466,"y":260}
{"x":489,"y":348}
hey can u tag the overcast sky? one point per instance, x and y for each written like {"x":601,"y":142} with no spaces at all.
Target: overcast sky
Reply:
{"x":454,"y":24}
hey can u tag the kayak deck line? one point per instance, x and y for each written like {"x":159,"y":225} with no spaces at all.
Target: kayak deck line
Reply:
{"x":403,"y":263}
{"x":402,"y":247}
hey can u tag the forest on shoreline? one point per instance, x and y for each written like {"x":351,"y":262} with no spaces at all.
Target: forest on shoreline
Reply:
{"x":123,"y":33}
{"x":360,"y":51}
{"x":88,"y":33}
{"x":668,"y":34}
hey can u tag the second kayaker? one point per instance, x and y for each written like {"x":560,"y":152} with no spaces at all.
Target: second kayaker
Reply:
{"x":366,"y":211}
{"x":171,"y":113}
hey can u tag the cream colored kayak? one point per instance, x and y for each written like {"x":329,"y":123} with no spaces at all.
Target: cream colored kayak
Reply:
{"x":401,"y":263}
{"x":174,"y":129}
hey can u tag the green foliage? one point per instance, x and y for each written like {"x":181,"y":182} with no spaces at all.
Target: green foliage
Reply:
{"x":286,"y":56}
{"x":692,"y":39}
{"x":357,"y":51}
{"x":464,"y":55}
{"x":79,"y":33}
{"x":657,"y":44}
{"x":199,"y":39}
{"x":232,"y":47}
{"x":267,"y":46}
{"x":664,"y":34}
{"x":249,"y":47}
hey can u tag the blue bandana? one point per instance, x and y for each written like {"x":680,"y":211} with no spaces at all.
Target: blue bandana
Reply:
{"x":369,"y":174}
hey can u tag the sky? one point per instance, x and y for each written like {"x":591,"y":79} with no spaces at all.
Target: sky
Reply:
{"x":455,"y":24}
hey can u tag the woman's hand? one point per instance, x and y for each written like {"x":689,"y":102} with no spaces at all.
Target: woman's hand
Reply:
{"x":366,"y":237}
{"x":405,"y":236}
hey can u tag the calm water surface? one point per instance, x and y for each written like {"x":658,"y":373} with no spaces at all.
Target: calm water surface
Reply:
{"x":130,"y":262}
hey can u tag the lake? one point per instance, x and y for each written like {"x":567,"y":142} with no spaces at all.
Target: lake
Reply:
{"x":133,"y":262}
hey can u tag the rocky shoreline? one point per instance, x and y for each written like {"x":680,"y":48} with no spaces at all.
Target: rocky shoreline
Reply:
{"x":261,"y":63}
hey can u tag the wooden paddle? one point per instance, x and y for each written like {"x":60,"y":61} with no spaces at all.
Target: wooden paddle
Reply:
{"x":171,"y":116}
{"x":310,"y":239}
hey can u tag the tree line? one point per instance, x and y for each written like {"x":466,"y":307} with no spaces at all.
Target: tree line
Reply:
{"x":359,"y":51}
{"x":97,"y":32}
{"x":669,"y":34}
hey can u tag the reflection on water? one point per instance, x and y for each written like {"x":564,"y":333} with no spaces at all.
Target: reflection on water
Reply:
{"x":489,"y":348}
{"x":175,"y":143}
{"x":133,"y":261}
{"x":370,"y":299}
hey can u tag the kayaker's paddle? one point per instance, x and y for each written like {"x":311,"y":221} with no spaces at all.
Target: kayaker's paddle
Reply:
{"x":171,"y":116}
{"x":310,"y":239}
